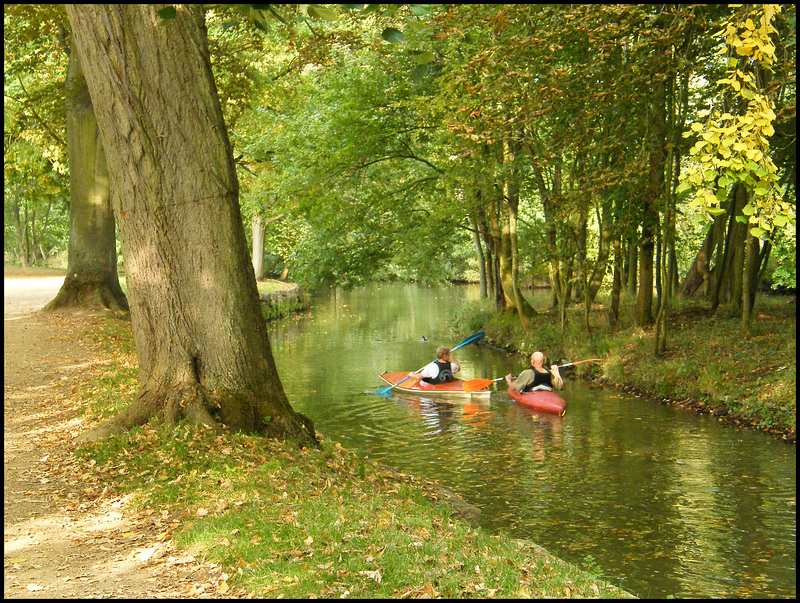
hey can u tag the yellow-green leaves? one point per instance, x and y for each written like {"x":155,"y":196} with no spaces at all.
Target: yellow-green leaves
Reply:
{"x":734,"y":146}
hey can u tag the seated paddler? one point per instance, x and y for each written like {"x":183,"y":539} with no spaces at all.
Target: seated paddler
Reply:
{"x":537,"y":377}
{"x":440,"y":370}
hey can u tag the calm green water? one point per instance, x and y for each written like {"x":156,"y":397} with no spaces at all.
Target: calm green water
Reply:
{"x":659,"y":500}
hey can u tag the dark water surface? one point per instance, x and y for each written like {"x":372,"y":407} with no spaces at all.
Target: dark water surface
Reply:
{"x":659,"y":500}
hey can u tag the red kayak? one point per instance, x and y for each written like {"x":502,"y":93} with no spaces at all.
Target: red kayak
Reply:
{"x":543,"y":401}
{"x":452,"y":388}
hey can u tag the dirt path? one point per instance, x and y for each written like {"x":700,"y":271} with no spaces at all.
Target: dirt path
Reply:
{"x":65,"y":534}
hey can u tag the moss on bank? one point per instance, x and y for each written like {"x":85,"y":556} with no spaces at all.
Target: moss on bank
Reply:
{"x":279,"y":298}
{"x":708,"y":366}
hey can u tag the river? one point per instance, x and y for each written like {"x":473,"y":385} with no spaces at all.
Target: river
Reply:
{"x":659,"y":500}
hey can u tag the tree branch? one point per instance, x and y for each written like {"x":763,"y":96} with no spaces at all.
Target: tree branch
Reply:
{"x":29,"y":105}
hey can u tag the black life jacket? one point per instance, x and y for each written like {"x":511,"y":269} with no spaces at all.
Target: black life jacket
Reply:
{"x":539,"y":379}
{"x":445,"y":373}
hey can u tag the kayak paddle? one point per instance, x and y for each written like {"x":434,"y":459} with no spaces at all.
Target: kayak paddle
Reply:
{"x":471,"y":339}
{"x":474,"y":385}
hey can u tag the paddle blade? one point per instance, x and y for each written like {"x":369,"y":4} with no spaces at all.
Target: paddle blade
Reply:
{"x":471,"y":339}
{"x":571,"y":364}
{"x":474,"y":385}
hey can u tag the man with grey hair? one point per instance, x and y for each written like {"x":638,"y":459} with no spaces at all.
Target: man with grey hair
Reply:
{"x":537,"y":378}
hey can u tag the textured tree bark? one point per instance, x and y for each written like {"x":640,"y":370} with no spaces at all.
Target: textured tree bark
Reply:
{"x":92,"y":281}
{"x":698,"y":272}
{"x":200,"y":337}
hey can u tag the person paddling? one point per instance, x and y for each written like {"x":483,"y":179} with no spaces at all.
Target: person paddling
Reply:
{"x":537,"y":378}
{"x":440,"y":370}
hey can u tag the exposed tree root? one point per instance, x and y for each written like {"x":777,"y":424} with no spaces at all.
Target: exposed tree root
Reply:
{"x":188,"y":402}
{"x":92,"y":295}
{"x":194,"y":404}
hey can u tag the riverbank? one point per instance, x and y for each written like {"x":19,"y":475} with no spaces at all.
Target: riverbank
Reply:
{"x":280,"y":298}
{"x":708,"y":366}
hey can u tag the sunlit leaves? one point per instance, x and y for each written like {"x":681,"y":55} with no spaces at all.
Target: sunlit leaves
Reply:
{"x":733,"y":146}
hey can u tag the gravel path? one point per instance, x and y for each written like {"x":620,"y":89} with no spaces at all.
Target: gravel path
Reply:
{"x":66,"y":535}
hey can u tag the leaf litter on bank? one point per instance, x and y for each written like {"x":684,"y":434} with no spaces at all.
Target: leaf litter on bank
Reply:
{"x":297,"y":522}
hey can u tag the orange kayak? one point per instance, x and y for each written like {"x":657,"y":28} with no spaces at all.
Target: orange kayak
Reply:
{"x":452,"y":388}
{"x":543,"y":401}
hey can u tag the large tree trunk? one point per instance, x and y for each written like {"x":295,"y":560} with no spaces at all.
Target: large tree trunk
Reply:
{"x":201,"y":339}
{"x":92,"y":280}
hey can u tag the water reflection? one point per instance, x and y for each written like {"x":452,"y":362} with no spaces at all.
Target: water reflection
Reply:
{"x":666,"y":501}
{"x":442,"y":415}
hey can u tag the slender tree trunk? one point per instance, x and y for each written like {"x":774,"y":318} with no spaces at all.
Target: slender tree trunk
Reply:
{"x":20,"y":226}
{"x":580,"y":256}
{"x":551,"y":230}
{"x":476,"y":238}
{"x":750,"y":281}
{"x":653,"y":190}
{"x":201,"y":339}
{"x":664,"y":268}
{"x":604,"y":247}
{"x":616,"y":286}
{"x":92,"y":280}
{"x":632,"y":262}
{"x":488,"y":242}
{"x":258,"y":227}
{"x":644,"y":299}
{"x":730,"y":267}
{"x":723,"y":276}
{"x":511,"y":205}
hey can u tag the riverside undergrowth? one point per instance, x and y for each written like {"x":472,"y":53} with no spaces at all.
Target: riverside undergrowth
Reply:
{"x":284,"y":521}
{"x":708,"y":365}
